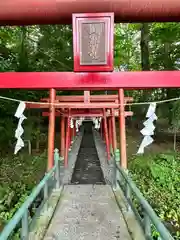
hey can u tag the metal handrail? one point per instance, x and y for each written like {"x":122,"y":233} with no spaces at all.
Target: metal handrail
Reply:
{"x":149,"y":214}
{"x":22,"y":213}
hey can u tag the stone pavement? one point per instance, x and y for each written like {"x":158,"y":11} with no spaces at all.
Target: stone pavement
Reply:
{"x":87,"y":212}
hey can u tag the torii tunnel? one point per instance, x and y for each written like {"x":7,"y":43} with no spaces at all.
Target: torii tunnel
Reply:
{"x":30,"y":12}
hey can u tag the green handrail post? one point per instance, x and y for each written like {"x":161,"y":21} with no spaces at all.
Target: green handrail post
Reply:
{"x":115,"y":171}
{"x":46,"y":191}
{"x":117,"y":162}
{"x":128,"y":193}
{"x":117,"y":156}
{"x":147,"y":225}
{"x":25,"y":226}
{"x":57,"y":164}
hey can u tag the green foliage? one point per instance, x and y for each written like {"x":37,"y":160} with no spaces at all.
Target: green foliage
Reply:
{"x":176,"y":115}
{"x":18,"y":176}
{"x":32,"y":48}
{"x":127,"y":52}
{"x":158,"y":178}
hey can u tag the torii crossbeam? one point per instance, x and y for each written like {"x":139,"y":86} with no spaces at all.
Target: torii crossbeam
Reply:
{"x":60,"y":12}
{"x":90,"y":81}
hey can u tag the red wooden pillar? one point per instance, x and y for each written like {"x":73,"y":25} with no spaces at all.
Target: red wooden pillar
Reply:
{"x":51,"y":130}
{"x":70,"y":134}
{"x":67,"y":141}
{"x":106,"y":134}
{"x":74,"y":129}
{"x":122,"y":129}
{"x":102,"y":129}
{"x":114,"y":139}
{"x":110,"y":132}
{"x":62,"y":136}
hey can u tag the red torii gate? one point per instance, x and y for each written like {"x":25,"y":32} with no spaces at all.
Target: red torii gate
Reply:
{"x":52,"y":11}
{"x":31,"y":12}
{"x":109,"y":132}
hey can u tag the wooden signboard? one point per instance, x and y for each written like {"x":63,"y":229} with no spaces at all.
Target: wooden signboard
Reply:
{"x":93,"y":42}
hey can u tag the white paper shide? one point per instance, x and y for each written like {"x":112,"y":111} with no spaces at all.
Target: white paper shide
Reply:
{"x":148,"y":129}
{"x":71,"y":123}
{"x":97,"y":122}
{"x":79,"y":123}
{"x":19,"y":131}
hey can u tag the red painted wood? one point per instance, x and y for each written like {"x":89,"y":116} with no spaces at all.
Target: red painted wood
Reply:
{"x":101,"y":129}
{"x":93,"y":98}
{"x":62,"y":132}
{"x":74,"y":129}
{"x":67,"y":141}
{"x":70,"y":136}
{"x":76,"y":105}
{"x":60,"y":12}
{"x":90,"y":81}
{"x":122,"y":131}
{"x":126,"y":114}
{"x":108,"y":19}
{"x":106,"y":135}
{"x":51,"y":130}
{"x":75,"y":112}
{"x":85,"y":114}
{"x":114,"y":137}
{"x":110,"y":132}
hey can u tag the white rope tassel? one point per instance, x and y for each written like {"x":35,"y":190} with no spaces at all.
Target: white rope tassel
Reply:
{"x":71,"y":123}
{"x":19,"y":131}
{"x":148,"y":129}
{"x":94,"y":120}
{"x":97,"y":122}
{"x":79,"y":123}
{"x":77,"y":126}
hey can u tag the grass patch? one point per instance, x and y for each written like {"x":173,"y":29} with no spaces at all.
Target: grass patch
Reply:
{"x":18,"y":175}
{"x":158,"y":177}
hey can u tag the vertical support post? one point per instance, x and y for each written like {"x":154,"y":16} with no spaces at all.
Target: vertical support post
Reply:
{"x":62,"y":136}
{"x":114,"y":140}
{"x":74,"y":129}
{"x":65,"y":134}
{"x":128,"y":194}
{"x":25,"y":226}
{"x":57,"y":171}
{"x":101,"y":128}
{"x":67,"y":141}
{"x":122,"y":129}
{"x":46,"y":193}
{"x":147,"y":225}
{"x":110,"y":133}
{"x":106,"y":134}
{"x":70,"y":134}
{"x":51,"y":130}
